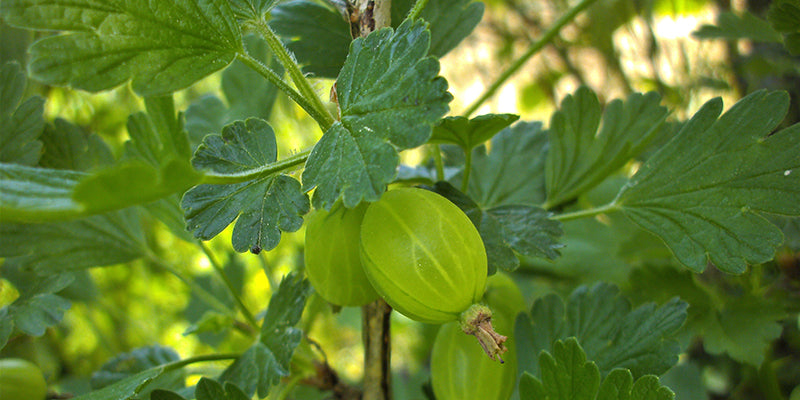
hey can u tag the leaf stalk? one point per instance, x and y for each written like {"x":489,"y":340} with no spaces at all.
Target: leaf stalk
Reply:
{"x":217,"y":267}
{"x":213,"y":178}
{"x":591,"y":212}
{"x":546,"y":38}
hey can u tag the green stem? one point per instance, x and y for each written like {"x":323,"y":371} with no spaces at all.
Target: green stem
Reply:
{"x":323,"y":117}
{"x":535,"y":48}
{"x":437,"y":159}
{"x":217,"y":267}
{"x":419,"y":5}
{"x":467,"y":170}
{"x":287,"y":390}
{"x":608,"y":208}
{"x":213,"y":178}
{"x":293,"y":94}
{"x":197,"y":359}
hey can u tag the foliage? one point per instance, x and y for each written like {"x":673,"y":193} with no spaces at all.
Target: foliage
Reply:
{"x":655,"y":241}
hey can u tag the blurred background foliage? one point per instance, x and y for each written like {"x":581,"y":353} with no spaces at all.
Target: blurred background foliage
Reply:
{"x":617,"y":47}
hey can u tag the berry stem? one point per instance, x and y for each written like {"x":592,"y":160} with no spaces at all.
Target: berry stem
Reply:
{"x":477,"y":321}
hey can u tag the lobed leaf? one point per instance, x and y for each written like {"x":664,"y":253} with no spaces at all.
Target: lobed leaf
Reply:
{"x":389,"y":96}
{"x":209,"y":389}
{"x":251,"y":9}
{"x":67,"y":146}
{"x":731,"y":26}
{"x":21,"y":123}
{"x":162,"y":47}
{"x":784,"y":16}
{"x":266,"y":361}
{"x":37,"y":307}
{"x":512,"y":171}
{"x":450,"y":21}
{"x":580,"y":156}
{"x":125,"y":389}
{"x":614,"y":336}
{"x":508,"y":229}
{"x":704,"y":192}
{"x":567,"y":375}
{"x":124,"y":365}
{"x":469,"y":133}
{"x":265,"y":206}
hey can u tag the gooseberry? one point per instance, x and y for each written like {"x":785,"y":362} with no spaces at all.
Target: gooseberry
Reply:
{"x":333,"y":263}
{"x":21,"y":380}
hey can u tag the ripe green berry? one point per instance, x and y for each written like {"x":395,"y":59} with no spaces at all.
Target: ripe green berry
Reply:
{"x":333,"y":264}
{"x":21,"y":380}
{"x":423,"y":255}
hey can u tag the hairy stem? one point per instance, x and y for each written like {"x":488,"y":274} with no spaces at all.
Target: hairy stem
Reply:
{"x":275,"y":168}
{"x":377,"y":351}
{"x":437,"y":159}
{"x":217,"y":267}
{"x":608,"y":208}
{"x":419,"y":5}
{"x":293,"y":94}
{"x":323,"y":117}
{"x":532,"y":50}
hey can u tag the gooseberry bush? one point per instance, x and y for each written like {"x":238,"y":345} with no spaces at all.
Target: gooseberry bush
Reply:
{"x":617,"y":251}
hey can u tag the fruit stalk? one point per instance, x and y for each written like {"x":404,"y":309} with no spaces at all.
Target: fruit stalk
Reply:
{"x":477,"y":321}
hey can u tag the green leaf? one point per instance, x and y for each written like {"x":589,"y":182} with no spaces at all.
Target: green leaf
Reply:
{"x":450,"y":21}
{"x":126,"y":388}
{"x":614,"y":336}
{"x":265,"y":206}
{"x":704,"y":191}
{"x":161,"y":49}
{"x":37,"y":307}
{"x":98,"y":240}
{"x":198,"y":309}
{"x":512,"y":171}
{"x":468,"y":133}
{"x":731,"y":26}
{"x":251,"y":9}
{"x":126,"y":364}
{"x":318,"y":36}
{"x":785,"y":18}
{"x":209,"y":389}
{"x":160,"y":394}
{"x":30,"y":194}
{"x":567,"y":375}
{"x":389,"y":96}
{"x":508,"y":229}
{"x":67,"y":146}
{"x":580,"y":156}
{"x":20,"y":123}
{"x":264,"y":363}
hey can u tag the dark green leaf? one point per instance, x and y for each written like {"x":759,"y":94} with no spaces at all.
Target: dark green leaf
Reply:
{"x":125,"y":389}
{"x":37,"y":307}
{"x":67,"y":146}
{"x":734,"y":27}
{"x":37,"y":194}
{"x":450,"y":21}
{"x":264,"y":206}
{"x":160,"y":394}
{"x":162,"y":49}
{"x":264,"y":363}
{"x":20,"y":123}
{"x":468,"y":133}
{"x":209,"y":389}
{"x":513,"y":170}
{"x":567,"y":375}
{"x":509,"y":229}
{"x":198,"y":309}
{"x":704,"y":191}
{"x":785,"y":18}
{"x":389,"y":96}
{"x":98,"y":240}
{"x":614,"y":336}
{"x":141,"y":359}
{"x":318,"y":36}
{"x":580,"y":156}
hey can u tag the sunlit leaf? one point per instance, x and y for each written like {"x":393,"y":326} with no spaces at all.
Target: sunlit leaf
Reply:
{"x":704,"y":192}
{"x":21,"y":123}
{"x":264,"y":206}
{"x":582,"y":152}
{"x":613,"y":335}
{"x":251,"y":9}
{"x":160,"y":48}
{"x":389,"y":96}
